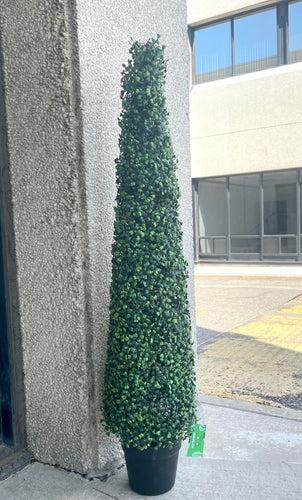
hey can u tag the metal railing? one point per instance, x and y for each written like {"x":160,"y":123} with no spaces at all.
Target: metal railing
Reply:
{"x":270,"y":245}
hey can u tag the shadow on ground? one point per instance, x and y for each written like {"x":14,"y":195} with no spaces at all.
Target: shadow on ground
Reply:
{"x":237,"y":366}
{"x":205,"y":334}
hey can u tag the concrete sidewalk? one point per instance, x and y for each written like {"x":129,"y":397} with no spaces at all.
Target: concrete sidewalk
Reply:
{"x":249,"y":332}
{"x":251,"y":452}
{"x":293,"y":270}
{"x":258,"y":361}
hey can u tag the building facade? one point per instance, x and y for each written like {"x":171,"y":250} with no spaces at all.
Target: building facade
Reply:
{"x":61,"y":63}
{"x":246,"y":129}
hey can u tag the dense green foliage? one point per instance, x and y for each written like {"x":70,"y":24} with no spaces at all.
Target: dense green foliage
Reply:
{"x":149,"y":394}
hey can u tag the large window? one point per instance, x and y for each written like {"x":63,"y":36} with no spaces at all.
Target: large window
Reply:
{"x":251,"y":216}
{"x":295,"y":31}
{"x":245,"y":213}
{"x":300,"y":186}
{"x":214,"y":49}
{"x":280,"y":212}
{"x":279,"y":193}
{"x":250,"y":42}
{"x":213,"y":220}
{"x":255,"y":42}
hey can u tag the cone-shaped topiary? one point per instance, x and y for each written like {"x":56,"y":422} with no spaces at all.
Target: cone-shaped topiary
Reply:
{"x":149,"y":394}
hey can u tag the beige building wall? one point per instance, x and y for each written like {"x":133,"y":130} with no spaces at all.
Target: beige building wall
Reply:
{"x":246,"y":123}
{"x":208,"y":10}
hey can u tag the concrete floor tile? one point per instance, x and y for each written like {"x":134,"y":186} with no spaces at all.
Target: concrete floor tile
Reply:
{"x":43,"y":482}
{"x":259,"y":360}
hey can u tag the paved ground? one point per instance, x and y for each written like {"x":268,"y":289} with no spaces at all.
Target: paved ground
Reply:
{"x":250,"y":338}
{"x":251,"y":453}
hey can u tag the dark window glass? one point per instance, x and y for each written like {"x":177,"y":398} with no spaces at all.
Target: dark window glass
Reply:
{"x":278,"y":245}
{"x":213,"y":246}
{"x":279,"y":215}
{"x":245,"y":204}
{"x":301,"y":204}
{"x":295,"y":31}
{"x":212,"y":194}
{"x":280,"y":203}
{"x":255,"y":40}
{"x":245,"y":245}
{"x":213,"y":52}
{"x":288,"y":244}
{"x":271,"y":246}
{"x":245,"y":212}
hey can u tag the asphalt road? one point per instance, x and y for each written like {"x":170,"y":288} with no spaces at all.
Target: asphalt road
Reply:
{"x":249,"y":336}
{"x":227,"y":302}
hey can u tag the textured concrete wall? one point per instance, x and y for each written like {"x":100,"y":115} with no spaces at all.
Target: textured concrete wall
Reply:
{"x":249,"y":123}
{"x":104,"y":32}
{"x":49,"y":223}
{"x":62,"y":63}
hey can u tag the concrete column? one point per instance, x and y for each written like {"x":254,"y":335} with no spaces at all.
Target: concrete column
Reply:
{"x":62,"y":65}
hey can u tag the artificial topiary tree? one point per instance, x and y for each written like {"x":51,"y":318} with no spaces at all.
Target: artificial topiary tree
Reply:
{"x":149,"y":394}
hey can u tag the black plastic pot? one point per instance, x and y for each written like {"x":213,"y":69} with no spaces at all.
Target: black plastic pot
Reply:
{"x":151,"y":471}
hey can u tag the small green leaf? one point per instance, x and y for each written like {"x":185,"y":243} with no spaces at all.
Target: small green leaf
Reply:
{"x":149,"y":385}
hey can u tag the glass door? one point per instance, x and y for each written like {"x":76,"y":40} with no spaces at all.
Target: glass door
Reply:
{"x":213,"y":218}
{"x":6,"y":433}
{"x":245,"y":217}
{"x":280,"y":215}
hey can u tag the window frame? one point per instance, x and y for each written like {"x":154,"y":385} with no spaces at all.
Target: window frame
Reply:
{"x":264,"y":255}
{"x":282,"y":30}
{"x":290,"y":2}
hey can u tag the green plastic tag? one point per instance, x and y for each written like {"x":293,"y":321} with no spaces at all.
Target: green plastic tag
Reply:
{"x":196,"y":443}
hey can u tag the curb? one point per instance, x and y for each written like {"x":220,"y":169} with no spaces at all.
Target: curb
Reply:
{"x":268,"y":411}
{"x":293,"y":270}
